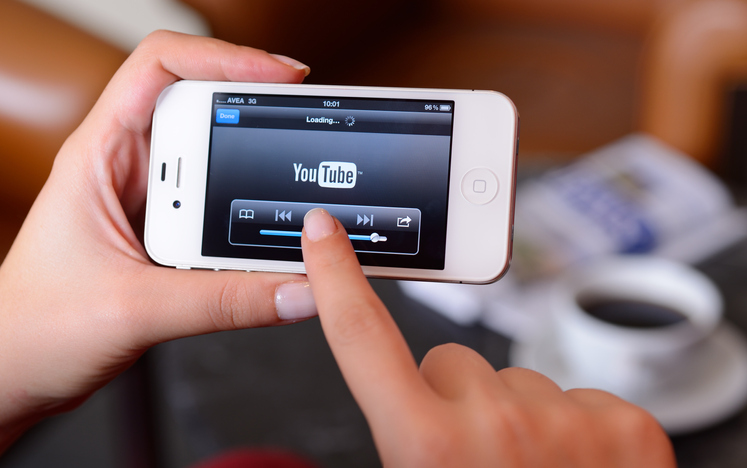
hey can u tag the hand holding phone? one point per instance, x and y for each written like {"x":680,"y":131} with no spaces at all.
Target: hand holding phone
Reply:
{"x":423,"y":180}
{"x":80,"y":300}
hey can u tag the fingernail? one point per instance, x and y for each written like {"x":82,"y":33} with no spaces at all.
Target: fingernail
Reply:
{"x":318,"y":224}
{"x":293,"y":63}
{"x":294,"y":301}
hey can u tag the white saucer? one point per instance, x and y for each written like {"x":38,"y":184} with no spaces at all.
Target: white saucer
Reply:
{"x":711,"y":390}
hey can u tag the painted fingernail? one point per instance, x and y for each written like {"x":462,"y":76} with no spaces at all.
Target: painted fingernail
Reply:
{"x":293,"y":63}
{"x":294,"y":301}
{"x":318,"y":224}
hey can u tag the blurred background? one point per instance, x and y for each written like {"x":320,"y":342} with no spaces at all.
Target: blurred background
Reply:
{"x":582,"y":73}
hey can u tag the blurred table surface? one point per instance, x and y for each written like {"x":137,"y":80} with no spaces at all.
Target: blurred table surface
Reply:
{"x":280,"y":386}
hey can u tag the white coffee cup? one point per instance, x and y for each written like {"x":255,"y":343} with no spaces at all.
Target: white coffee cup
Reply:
{"x":627,"y":324}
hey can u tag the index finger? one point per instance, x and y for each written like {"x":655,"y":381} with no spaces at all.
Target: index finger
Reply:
{"x":165,"y":57}
{"x":368,"y":347}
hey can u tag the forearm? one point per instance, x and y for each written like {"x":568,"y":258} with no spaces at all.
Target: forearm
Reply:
{"x":24,"y":349}
{"x":17,"y":410}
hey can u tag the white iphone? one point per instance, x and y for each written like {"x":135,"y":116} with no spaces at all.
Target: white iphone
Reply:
{"x":421,"y":179}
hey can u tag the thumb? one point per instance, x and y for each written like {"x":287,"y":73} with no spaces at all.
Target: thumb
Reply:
{"x":179,"y":303}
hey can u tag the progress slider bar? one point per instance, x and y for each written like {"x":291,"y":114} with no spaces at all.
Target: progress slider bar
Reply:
{"x":374,"y":237}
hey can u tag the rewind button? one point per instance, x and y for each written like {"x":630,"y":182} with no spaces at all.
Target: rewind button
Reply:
{"x":283,"y":216}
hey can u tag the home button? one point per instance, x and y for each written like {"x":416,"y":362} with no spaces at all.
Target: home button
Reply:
{"x":479,"y":186}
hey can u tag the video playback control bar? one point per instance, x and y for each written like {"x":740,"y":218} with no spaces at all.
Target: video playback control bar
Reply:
{"x":372,"y":229}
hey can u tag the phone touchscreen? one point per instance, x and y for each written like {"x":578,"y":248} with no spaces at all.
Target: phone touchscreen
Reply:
{"x":381,"y":166}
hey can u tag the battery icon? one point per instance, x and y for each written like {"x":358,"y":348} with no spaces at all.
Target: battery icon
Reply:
{"x":445,"y":107}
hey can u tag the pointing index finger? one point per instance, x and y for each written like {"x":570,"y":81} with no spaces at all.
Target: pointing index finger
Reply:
{"x":369,"y":348}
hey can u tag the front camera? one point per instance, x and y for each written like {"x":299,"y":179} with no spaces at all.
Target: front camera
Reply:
{"x":177,"y":204}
